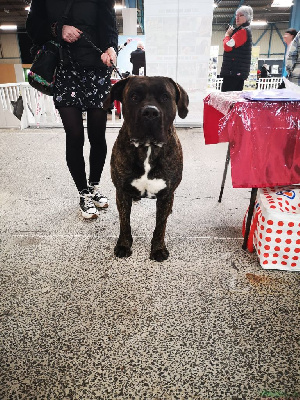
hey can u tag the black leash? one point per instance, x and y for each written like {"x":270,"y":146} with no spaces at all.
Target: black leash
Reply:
{"x":101,"y":52}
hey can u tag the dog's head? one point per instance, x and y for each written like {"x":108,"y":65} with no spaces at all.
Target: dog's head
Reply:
{"x":149,"y":106}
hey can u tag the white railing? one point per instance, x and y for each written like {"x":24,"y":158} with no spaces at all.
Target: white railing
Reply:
{"x":219,"y":82}
{"x":262,"y":83}
{"x":268,"y":83}
{"x":8,"y":93}
{"x":39,"y":110}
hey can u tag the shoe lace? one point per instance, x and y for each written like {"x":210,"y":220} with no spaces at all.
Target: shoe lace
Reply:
{"x":95,"y":191}
{"x":88,"y":202}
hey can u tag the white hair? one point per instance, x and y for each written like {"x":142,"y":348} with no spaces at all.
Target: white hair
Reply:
{"x":247,"y":12}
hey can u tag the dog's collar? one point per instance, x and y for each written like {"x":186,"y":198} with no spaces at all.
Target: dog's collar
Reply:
{"x":137,"y":143}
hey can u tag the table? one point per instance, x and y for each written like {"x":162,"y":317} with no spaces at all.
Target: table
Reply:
{"x":264,"y":140}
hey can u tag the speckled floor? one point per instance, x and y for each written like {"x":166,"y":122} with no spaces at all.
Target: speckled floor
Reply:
{"x":78,"y":324}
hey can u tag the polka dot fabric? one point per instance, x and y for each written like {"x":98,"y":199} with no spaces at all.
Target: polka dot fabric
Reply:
{"x":276,"y":228}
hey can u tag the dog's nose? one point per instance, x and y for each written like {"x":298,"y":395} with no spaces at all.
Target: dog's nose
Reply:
{"x":150,"y":112}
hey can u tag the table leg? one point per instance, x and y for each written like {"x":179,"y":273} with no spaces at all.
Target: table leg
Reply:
{"x":224,"y":173}
{"x":249,"y":217}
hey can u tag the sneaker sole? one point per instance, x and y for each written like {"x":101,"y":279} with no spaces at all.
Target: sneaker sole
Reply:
{"x":89,"y":216}
{"x":101,"y":205}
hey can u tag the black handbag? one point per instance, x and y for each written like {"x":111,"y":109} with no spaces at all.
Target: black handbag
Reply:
{"x":42,"y":72}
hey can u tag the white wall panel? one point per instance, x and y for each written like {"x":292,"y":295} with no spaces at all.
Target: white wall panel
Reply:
{"x":178,"y":37}
{"x":129,"y":21}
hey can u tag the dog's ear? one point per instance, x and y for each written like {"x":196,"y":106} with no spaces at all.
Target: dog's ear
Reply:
{"x":182,"y":100}
{"x":116,"y":93}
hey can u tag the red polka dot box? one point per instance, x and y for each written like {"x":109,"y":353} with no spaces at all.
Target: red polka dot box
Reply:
{"x":275,"y":228}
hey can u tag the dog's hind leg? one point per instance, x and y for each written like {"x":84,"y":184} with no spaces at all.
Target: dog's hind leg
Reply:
{"x":123,"y":246}
{"x":159,"y":252}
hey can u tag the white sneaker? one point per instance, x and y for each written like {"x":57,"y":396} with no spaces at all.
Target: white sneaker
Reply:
{"x":99,"y":199}
{"x":87,"y":206}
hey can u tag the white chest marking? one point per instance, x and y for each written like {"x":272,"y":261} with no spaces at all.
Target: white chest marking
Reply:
{"x":148,"y":187}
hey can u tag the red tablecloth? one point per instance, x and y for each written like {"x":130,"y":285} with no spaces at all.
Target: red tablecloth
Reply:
{"x":264,"y":138}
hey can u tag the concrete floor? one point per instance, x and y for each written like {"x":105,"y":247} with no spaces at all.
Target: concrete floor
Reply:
{"x":77,"y":323}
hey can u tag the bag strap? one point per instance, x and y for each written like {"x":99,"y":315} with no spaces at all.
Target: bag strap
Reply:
{"x":63,"y":19}
{"x":67,"y":10}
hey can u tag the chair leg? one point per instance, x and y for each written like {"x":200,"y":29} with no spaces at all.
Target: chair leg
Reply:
{"x":224,"y":173}
{"x":249,"y":217}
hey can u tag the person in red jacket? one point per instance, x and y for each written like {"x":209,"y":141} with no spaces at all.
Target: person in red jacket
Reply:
{"x":237,"y":45}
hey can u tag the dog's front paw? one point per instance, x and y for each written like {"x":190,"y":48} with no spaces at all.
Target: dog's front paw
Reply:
{"x":122,"y":251}
{"x":159,"y":255}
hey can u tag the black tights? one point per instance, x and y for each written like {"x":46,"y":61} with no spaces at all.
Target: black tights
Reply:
{"x":96,"y":126}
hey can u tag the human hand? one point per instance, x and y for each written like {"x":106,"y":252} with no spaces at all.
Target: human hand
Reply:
{"x":70,"y":34}
{"x":108,"y":56}
{"x":229,"y":31}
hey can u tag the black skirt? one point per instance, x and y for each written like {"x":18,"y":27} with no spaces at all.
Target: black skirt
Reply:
{"x":77,"y":86}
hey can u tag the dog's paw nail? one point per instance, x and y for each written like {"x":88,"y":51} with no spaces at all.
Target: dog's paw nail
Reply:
{"x":122,"y":251}
{"x":159,"y":255}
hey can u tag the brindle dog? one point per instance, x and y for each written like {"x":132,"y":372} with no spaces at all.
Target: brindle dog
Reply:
{"x":147,"y":156}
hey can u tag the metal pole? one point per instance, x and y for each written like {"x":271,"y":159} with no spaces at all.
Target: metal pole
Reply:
{"x":249,"y":217}
{"x":295,"y":15}
{"x":224,"y":173}
{"x":270,"y":40}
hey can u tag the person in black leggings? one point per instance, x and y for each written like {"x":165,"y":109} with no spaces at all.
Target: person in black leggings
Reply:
{"x":73,"y":125}
{"x":82,"y":82}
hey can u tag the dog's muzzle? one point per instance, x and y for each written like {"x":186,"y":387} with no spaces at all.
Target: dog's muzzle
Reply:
{"x":149,"y":127}
{"x":150,"y":113}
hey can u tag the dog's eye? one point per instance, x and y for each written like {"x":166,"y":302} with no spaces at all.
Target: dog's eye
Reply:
{"x":164,"y":97}
{"x":134,"y":97}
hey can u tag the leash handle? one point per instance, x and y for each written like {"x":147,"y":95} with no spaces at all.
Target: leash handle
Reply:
{"x":101,"y":52}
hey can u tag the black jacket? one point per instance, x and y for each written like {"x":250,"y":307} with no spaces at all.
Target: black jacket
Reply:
{"x":137,"y":58}
{"x":96,"y":18}
{"x":264,"y":72}
{"x":236,"y":63}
